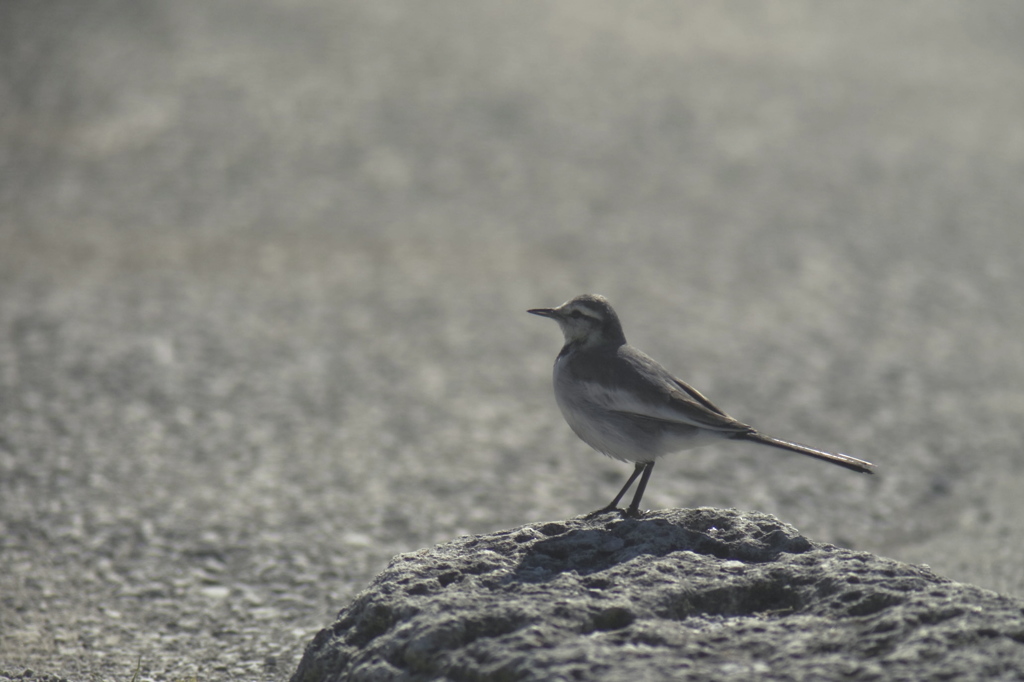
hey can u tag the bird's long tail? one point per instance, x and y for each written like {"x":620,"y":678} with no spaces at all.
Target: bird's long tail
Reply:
{"x":836,"y":458}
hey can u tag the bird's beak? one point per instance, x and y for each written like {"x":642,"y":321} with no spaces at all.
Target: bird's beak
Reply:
{"x":543,"y":312}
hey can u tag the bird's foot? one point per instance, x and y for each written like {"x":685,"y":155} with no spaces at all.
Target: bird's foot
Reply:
{"x":629,"y":513}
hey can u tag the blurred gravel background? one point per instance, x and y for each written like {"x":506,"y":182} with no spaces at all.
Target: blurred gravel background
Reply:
{"x":264,"y":267}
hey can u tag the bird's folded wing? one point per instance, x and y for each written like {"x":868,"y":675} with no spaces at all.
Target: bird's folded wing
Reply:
{"x":648,"y":390}
{"x":667,"y":403}
{"x":697,"y":396}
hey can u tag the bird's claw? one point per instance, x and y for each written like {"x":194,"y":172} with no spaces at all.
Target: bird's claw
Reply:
{"x":628,"y":513}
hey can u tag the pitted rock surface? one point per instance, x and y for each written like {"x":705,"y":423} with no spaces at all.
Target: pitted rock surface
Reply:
{"x":708,"y":593}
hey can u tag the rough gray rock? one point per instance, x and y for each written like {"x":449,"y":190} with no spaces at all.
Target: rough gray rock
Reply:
{"x":706,"y":593}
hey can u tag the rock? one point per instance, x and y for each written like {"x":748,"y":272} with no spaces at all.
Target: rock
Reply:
{"x":700,"y":593}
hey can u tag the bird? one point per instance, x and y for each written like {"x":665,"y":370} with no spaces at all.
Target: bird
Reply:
{"x":625,"y":405}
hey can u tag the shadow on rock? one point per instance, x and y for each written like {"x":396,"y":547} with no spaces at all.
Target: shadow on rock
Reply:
{"x":617,"y":540}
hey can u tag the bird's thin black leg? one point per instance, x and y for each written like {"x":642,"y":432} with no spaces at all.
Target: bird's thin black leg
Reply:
{"x":611,"y":505}
{"x":636,"y":472}
{"x":634,"y":506}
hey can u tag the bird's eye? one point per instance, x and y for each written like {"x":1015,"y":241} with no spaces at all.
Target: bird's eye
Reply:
{"x":577,"y":314}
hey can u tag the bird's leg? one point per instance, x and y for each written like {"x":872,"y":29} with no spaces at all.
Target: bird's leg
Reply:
{"x":614,"y":503}
{"x":634,"y":506}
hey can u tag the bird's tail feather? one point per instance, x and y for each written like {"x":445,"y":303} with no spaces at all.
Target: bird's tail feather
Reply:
{"x":836,"y":458}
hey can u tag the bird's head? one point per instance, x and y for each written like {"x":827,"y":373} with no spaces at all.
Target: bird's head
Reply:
{"x":588,"y":319}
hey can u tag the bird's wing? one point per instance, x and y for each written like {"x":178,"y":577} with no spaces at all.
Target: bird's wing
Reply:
{"x":643,"y":388}
{"x":697,"y":396}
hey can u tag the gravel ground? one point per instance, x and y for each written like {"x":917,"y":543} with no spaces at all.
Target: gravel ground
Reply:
{"x":264,"y":267}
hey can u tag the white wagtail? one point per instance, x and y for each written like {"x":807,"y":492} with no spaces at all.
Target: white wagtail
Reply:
{"x":624,"y":404}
